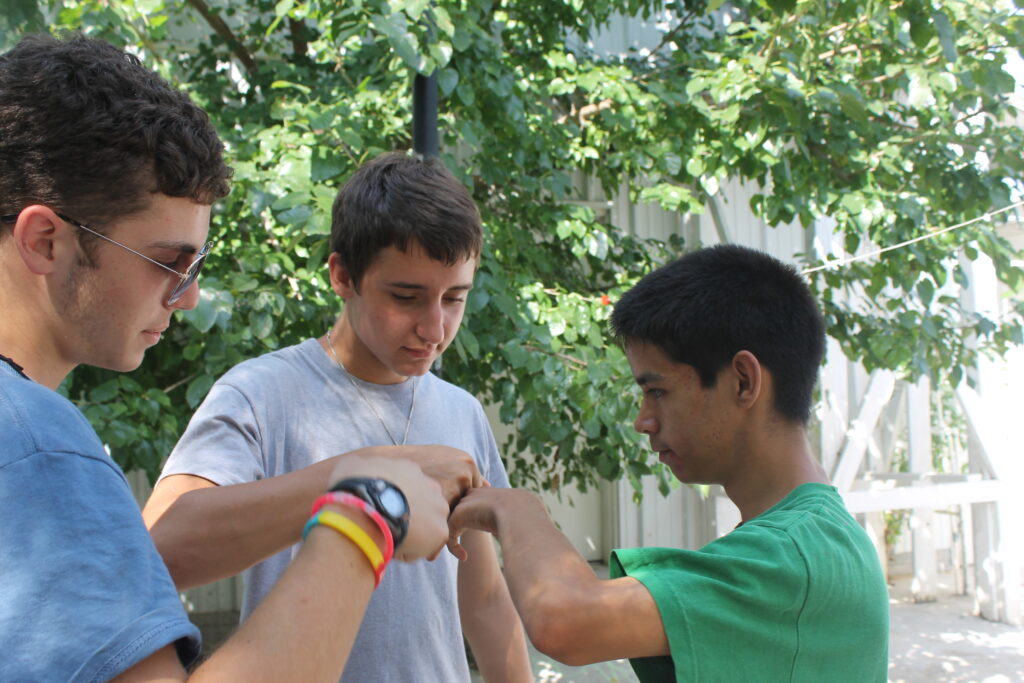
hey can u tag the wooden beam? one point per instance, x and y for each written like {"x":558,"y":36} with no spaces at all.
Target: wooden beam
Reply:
{"x":857,"y":436}
{"x":981,"y":430}
{"x":934,"y":497}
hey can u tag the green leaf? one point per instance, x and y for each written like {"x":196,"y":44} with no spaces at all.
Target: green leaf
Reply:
{"x":925,"y":290}
{"x":198,"y":388}
{"x":782,"y":6}
{"x":921,"y":29}
{"x":852,"y":103}
{"x":447,"y":79}
{"x":442,"y":20}
{"x":947,"y":38}
{"x":469,"y":341}
{"x":278,"y":85}
{"x":401,"y":40}
{"x":204,"y":315}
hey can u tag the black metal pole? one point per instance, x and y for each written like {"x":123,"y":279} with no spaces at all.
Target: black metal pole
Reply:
{"x":424,"y":114}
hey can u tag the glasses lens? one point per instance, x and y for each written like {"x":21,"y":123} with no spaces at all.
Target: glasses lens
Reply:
{"x":191,"y":275}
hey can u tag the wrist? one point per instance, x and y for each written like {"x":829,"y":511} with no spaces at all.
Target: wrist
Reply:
{"x":361,"y":518}
{"x":360,"y":525}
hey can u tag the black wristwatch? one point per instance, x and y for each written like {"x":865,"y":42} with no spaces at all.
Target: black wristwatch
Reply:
{"x":385,"y":498}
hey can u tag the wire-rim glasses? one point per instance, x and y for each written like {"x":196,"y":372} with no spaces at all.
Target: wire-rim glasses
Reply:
{"x":185,"y":279}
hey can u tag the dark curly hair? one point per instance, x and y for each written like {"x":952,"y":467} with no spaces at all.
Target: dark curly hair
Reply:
{"x":88,"y":130}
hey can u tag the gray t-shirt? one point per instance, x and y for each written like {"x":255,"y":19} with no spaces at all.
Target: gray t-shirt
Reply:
{"x":295,"y":407}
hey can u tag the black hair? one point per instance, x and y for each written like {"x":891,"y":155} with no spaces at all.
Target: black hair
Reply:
{"x":710,"y":304}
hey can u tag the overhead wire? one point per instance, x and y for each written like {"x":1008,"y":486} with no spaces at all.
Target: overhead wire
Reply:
{"x":837,"y":263}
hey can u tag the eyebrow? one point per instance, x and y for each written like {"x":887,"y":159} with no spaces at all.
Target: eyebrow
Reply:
{"x":183,"y":247}
{"x":648,"y":378}
{"x":413,"y":285}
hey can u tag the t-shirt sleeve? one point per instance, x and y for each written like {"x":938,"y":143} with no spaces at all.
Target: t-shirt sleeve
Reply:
{"x":733,"y":590}
{"x":489,"y":460}
{"x":223,"y":441}
{"x":80,"y":573}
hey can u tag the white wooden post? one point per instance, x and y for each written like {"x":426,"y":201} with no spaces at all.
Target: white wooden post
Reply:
{"x":919,"y":432}
{"x":835,"y":404}
{"x":996,"y":557}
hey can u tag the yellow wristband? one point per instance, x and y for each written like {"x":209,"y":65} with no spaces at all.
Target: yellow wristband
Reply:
{"x":346,"y":527}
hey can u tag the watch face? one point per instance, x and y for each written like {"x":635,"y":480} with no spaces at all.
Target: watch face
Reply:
{"x":393,"y":502}
{"x":385,"y":498}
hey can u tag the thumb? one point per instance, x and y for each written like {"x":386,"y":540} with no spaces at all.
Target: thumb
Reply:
{"x":455,"y":547}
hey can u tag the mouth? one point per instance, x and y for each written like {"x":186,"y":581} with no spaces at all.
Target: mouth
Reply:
{"x":419,"y":354}
{"x":155,"y":334}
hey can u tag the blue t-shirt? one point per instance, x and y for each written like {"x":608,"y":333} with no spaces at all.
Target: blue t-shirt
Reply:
{"x":84,"y":595}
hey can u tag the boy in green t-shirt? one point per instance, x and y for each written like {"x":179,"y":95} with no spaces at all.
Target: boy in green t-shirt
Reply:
{"x":725,"y":344}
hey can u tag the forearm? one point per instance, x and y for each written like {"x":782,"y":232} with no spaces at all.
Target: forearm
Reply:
{"x":539,"y":558}
{"x":551,"y":584}
{"x":305,"y":628}
{"x":489,"y":620}
{"x":211,"y":533}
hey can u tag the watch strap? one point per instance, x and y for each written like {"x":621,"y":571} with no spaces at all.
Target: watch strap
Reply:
{"x":369,"y":490}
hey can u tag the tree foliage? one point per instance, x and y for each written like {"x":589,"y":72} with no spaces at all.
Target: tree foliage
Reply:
{"x":884,"y":117}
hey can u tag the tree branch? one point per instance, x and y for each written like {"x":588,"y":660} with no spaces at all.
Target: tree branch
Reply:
{"x":583,"y":113}
{"x":296,"y":31}
{"x":225,"y":32}
{"x":568,"y":359}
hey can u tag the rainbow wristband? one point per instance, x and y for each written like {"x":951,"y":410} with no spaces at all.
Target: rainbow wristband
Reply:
{"x":344,"y":498}
{"x":352,"y":531}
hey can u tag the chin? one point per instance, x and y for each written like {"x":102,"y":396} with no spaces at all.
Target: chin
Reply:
{"x":416,"y":369}
{"x":127,"y":364}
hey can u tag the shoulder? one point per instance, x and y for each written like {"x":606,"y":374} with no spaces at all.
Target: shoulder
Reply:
{"x":447,"y":391}
{"x":36,"y":419}
{"x":269,"y":372}
{"x":808,"y":505}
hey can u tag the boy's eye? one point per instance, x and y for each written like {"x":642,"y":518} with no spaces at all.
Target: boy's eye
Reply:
{"x":403,"y":297}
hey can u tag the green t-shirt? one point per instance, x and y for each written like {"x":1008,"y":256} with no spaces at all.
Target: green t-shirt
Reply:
{"x":795,"y":594}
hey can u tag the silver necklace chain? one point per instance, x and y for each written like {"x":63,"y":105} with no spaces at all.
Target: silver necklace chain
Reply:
{"x":373,"y":409}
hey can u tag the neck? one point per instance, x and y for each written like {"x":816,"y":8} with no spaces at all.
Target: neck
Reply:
{"x":31,"y":344}
{"x":779,"y":464}
{"x":345,"y":347}
{"x":32,"y":333}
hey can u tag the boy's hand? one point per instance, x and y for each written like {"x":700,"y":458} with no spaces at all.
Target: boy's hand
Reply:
{"x":454,"y":469}
{"x":428,"y":509}
{"x":478,"y":509}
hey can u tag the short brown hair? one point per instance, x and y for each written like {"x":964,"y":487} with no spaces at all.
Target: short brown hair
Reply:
{"x":398,"y":199}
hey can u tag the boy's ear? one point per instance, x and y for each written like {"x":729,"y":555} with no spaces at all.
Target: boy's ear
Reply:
{"x":42,"y":239}
{"x":341,"y":279}
{"x":748,"y":377}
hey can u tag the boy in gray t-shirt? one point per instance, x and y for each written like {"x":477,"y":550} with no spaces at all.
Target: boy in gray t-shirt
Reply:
{"x":405,"y":245}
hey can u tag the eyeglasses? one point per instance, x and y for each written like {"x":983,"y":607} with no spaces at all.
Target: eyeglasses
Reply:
{"x":185,"y":279}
